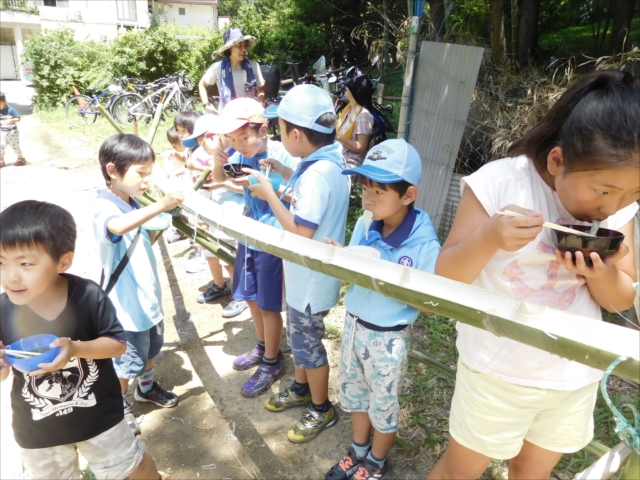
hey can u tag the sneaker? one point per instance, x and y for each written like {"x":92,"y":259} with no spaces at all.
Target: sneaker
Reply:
{"x":131,"y":420}
{"x":368,"y":470}
{"x":311,"y":424}
{"x":214,"y":292}
{"x":174,"y":235}
{"x":235,"y":307}
{"x":164,"y":475}
{"x":196,"y":261}
{"x":158,"y":395}
{"x":264,"y":377}
{"x":250,"y":359}
{"x":287,"y":399}
{"x":345,"y":467}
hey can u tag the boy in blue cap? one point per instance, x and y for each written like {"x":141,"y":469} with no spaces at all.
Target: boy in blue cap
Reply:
{"x":319,"y":202}
{"x":376,"y":338}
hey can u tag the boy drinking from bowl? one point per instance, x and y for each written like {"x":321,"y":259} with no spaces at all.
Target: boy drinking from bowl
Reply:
{"x":72,"y":403}
{"x":257,"y":276}
{"x":376,"y":338}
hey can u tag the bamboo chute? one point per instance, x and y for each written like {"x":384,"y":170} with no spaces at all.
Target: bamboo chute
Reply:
{"x":584,"y":340}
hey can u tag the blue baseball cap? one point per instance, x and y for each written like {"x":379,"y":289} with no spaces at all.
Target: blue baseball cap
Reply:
{"x":391,"y":161}
{"x":203,"y":125}
{"x":302,"y":106}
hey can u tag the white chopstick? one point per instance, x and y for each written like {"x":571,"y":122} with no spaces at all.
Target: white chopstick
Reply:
{"x":554,"y":226}
{"x":268,"y":170}
{"x":21,"y":353}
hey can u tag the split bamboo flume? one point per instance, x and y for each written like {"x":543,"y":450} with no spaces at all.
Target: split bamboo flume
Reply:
{"x":575,"y":337}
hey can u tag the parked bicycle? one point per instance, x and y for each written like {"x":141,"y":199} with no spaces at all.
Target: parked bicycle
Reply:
{"x":82,"y":110}
{"x":173,"y":92}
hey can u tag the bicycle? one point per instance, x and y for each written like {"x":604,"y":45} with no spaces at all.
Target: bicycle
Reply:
{"x":82,"y":111}
{"x":133,"y":107}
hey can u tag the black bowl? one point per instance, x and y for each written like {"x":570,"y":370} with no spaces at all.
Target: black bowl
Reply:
{"x":604,"y":244}
{"x":234,"y":170}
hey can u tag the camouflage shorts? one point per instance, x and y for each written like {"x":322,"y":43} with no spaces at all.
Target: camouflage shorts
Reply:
{"x":305,"y":332}
{"x":372,"y":367}
{"x":113,"y":454}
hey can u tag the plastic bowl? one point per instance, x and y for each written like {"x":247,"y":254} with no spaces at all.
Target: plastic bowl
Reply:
{"x":275,"y":179}
{"x":158,"y":223}
{"x":29,"y":344}
{"x":234,"y":170}
{"x":605,"y":243}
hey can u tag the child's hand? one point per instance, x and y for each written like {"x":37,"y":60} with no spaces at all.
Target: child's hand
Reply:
{"x":276,"y":166}
{"x":600,"y":267}
{"x":220,"y":157}
{"x":331,"y":241}
{"x":171,"y":200}
{"x":67,"y":351}
{"x":5,"y":366}
{"x":513,"y":233}
{"x":263,"y":189}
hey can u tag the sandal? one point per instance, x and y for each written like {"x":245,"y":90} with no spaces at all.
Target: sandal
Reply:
{"x":20,"y":162}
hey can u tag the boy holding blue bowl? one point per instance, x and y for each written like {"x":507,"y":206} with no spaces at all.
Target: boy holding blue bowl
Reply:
{"x":73,"y":403}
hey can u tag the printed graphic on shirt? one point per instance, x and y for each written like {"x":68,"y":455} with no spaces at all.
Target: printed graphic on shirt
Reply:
{"x":546,"y":294}
{"x":406,"y":261}
{"x":60,"y":391}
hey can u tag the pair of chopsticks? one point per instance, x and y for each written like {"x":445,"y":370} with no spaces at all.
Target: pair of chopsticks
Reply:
{"x":554,"y":226}
{"x":268,"y":169}
{"x":21,"y":353}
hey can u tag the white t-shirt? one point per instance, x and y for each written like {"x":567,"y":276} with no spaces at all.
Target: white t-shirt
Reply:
{"x":212,"y":77}
{"x":532,"y":274}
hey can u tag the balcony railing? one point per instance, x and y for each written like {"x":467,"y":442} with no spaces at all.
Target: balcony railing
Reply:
{"x":26,"y":6}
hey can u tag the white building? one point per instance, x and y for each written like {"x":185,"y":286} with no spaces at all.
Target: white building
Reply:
{"x":90,"y":19}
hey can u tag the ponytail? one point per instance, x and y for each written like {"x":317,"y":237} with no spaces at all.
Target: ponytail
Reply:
{"x":596,"y":122}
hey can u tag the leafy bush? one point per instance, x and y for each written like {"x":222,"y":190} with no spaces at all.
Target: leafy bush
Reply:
{"x":59,"y":61}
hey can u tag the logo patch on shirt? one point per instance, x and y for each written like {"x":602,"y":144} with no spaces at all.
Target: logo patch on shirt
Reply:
{"x":406,"y":261}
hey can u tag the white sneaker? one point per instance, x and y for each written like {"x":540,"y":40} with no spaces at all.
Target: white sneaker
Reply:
{"x":235,"y":307}
{"x":196,"y":261}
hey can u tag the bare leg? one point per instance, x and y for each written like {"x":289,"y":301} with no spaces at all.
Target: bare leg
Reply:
{"x":318,"y":383}
{"x":532,"y":463}
{"x":272,"y":323}
{"x":361,"y":428}
{"x":382,"y":443}
{"x":124,"y":385}
{"x":459,"y":462}
{"x":258,"y":322}
{"x":146,"y":470}
{"x":229,"y":270}
{"x":216,"y":271}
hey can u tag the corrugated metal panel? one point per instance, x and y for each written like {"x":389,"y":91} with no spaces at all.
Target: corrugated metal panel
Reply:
{"x":450,"y":206}
{"x":443,"y":89}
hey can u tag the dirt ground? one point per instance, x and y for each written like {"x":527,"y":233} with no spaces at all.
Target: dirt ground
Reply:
{"x":214,"y":432}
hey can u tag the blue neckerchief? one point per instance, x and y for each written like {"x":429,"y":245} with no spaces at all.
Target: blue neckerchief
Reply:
{"x":392,"y":241}
{"x":226,"y":87}
{"x":331,"y":153}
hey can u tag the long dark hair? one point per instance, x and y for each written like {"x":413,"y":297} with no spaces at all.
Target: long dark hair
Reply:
{"x":361,"y":88}
{"x":186,"y":120}
{"x":596,"y":122}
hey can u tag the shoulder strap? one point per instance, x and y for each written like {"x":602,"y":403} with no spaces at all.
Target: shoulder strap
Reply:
{"x":122,"y":265}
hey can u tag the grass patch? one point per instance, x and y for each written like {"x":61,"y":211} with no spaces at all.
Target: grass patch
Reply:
{"x":93,"y":135}
{"x":579,"y":40}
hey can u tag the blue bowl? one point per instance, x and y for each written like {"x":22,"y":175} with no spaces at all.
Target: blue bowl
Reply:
{"x":275,"y":179}
{"x":29,"y":344}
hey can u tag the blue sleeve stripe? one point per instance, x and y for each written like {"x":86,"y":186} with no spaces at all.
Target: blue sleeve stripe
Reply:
{"x":112,"y":237}
{"x":305,"y":223}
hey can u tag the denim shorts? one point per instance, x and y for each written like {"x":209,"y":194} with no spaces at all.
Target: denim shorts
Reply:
{"x":141,"y":347}
{"x":305,"y":331}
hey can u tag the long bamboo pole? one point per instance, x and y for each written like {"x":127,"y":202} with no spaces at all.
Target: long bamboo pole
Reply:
{"x":433,"y":363}
{"x":156,"y":122}
{"x":109,"y":118}
{"x":584,"y":340}
{"x":608,"y":464}
{"x":408,"y":77}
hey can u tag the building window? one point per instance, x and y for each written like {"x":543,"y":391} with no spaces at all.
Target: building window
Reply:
{"x":127,"y":10}
{"x":56,"y":3}
{"x":181,"y":11}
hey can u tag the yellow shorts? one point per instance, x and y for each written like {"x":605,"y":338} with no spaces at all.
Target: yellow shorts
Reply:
{"x":493,"y":417}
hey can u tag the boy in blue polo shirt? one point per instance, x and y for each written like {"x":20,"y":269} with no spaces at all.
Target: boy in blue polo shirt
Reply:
{"x":319,"y":202}
{"x":257,"y":276}
{"x":376,"y":338}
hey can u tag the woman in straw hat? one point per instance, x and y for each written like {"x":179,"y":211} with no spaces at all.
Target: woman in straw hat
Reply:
{"x":235,"y":75}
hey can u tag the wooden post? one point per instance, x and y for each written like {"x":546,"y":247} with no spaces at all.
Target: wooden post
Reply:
{"x":408,"y":77}
{"x":109,"y":118}
{"x":156,"y":122}
{"x":514,"y":30}
{"x":135,"y":128}
{"x":81,"y":101}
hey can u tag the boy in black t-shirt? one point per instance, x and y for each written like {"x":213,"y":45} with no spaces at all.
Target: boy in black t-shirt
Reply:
{"x":73,"y":403}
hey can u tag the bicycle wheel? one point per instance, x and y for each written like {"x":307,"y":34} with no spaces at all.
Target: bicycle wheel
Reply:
{"x":193,"y":104}
{"x":81,"y":111}
{"x":123,"y":104}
